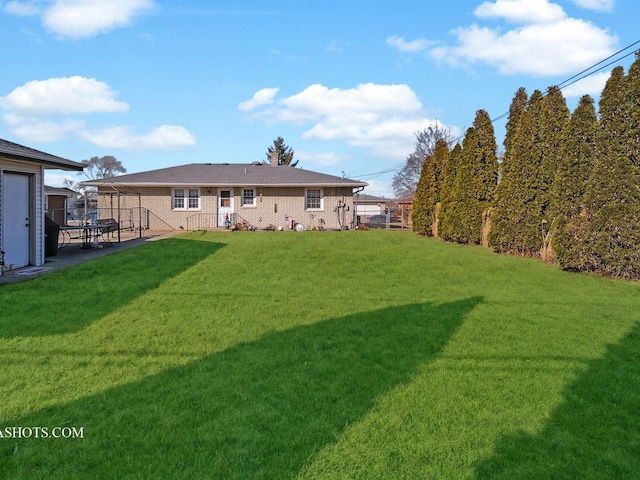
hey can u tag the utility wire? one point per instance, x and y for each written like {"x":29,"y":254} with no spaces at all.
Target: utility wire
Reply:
{"x":574,"y":79}
{"x":562,"y":85}
{"x":568,"y":81}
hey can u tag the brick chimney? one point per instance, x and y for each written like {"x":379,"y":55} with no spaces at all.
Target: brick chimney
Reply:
{"x":274,"y":159}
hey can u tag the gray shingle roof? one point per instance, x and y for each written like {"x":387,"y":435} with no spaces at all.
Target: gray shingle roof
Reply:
{"x":228,"y":175}
{"x":58,"y":191}
{"x":15,"y":151}
{"x":366,"y":198}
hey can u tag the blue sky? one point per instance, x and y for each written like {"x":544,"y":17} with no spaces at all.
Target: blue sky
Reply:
{"x":347,"y":84}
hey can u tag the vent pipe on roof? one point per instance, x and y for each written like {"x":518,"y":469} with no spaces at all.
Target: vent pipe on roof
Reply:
{"x":274,"y":159}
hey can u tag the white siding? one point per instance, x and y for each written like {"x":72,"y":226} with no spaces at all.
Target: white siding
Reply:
{"x":1,"y":224}
{"x":37,"y":207}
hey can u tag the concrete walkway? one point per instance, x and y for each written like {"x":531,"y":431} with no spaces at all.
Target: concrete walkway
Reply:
{"x":73,"y":254}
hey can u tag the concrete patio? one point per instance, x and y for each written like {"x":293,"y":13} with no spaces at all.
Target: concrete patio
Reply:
{"x":73,"y":254}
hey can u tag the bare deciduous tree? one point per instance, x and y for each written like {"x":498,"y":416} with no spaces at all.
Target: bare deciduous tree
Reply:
{"x":405,"y":181}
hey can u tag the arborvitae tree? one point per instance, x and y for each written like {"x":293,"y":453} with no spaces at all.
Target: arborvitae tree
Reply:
{"x":449,"y":174}
{"x":462,"y":219}
{"x":487,"y":175}
{"x":554,"y":118}
{"x":487,"y":178}
{"x":428,"y":191}
{"x":612,"y":241}
{"x":518,"y":105}
{"x":535,"y":109}
{"x":441,"y":159}
{"x":569,"y":185}
{"x":632,"y":94}
{"x":576,"y":161}
{"x":447,"y":190}
{"x":425,"y":198}
{"x":516,"y":221}
{"x":553,"y":123}
{"x":614,"y":177}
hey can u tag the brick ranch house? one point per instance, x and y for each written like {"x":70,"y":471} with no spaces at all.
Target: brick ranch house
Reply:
{"x":198,"y":196}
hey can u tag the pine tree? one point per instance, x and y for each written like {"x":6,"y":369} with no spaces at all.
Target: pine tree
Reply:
{"x":285,"y":153}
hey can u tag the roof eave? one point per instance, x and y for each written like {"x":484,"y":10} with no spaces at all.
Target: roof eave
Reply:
{"x":219,"y":185}
{"x":51,"y":164}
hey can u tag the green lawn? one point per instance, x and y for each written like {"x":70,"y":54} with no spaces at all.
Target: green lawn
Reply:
{"x":274,"y":355}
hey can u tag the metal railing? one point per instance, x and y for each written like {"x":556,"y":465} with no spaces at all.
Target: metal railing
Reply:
{"x":204,"y":221}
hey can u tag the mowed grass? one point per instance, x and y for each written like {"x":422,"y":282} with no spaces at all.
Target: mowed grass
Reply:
{"x":320,"y":355}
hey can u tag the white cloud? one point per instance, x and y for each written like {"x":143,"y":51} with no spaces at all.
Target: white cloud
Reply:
{"x":378,"y":189}
{"x":379,"y":118}
{"x":522,"y":11}
{"x":591,"y":85}
{"x":323,"y":159}
{"x":412,"y":46}
{"x":66,"y":95}
{"x":39,"y":130}
{"x":82,"y":18}
{"x":259,"y":99}
{"x":597,"y":5}
{"x":546,"y":43}
{"x":23,"y":9}
{"x":44,"y":111}
{"x":160,"y":138}
{"x":54,"y":178}
{"x":547,"y":49}
{"x":366,"y":101}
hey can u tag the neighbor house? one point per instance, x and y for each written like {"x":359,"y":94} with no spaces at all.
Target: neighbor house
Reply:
{"x":367,"y":205}
{"x":22,"y":202}
{"x":58,"y":203}
{"x":198,"y":196}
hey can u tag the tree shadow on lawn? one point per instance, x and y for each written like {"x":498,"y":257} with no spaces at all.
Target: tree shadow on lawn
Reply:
{"x":262,"y":409}
{"x":70,"y":299}
{"x":593,"y":434}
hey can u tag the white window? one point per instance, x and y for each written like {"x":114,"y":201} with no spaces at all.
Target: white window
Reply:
{"x":178,"y":199}
{"x":314,"y":199}
{"x":194,"y":199}
{"x":186,"y":199}
{"x":248,"y":197}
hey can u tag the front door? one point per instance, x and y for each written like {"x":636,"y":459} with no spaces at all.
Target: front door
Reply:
{"x":16,"y":208}
{"x":225,"y":207}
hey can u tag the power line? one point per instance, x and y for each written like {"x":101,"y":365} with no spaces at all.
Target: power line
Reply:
{"x":562,"y":85}
{"x":571,"y":80}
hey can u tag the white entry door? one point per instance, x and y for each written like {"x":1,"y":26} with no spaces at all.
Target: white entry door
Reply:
{"x":16,"y":208}
{"x":225,"y":207}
